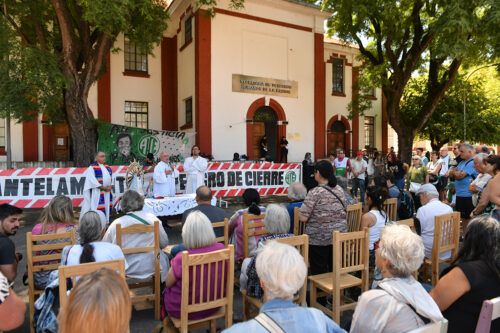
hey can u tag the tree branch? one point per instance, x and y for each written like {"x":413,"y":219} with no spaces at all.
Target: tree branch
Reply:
{"x":15,"y":26}
{"x":69,"y":42}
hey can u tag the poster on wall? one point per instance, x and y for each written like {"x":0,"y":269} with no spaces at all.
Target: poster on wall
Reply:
{"x":123,"y":144}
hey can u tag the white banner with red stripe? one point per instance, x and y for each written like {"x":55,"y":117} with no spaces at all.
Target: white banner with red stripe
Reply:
{"x":34,"y":187}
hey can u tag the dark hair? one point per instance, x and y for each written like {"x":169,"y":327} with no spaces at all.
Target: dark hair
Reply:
{"x":251,"y":198}
{"x":7,"y":210}
{"x":493,"y":160}
{"x":325,"y":169}
{"x":236,"y":157}
{"x":89,"y":231}
{"x":377,"y":195}
{"x":123,"y":135}
{"x":193,"y":148}
{"x":393,"y":156}
{"x":380,"y":181}
{"x":485,"y":149}
{"x":150,"y":156}
{"x":204,"y":193}
{"x":390,"y":177}
{"x":481,"y":242}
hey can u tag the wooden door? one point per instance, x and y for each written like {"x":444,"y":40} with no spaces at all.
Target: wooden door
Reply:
{"x":335,"y":140}
{"x":61,"y":144}
{"x":258,"y":131}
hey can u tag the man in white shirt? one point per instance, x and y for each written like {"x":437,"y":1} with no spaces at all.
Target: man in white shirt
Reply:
{"x":164,"y":178}
{"x":97,"y":188}
{"x":431,"y":207}
{"x":195,"y":167}
{"x":444,"y":160}
{"x":358,"y":168}
{"x":140,"y":265}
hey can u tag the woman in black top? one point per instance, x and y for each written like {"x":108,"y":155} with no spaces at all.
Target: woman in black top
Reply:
{"x":308,"y":172}
{"x":284,"y":150}
{"x":396,"y":167}
{"x":473,"y":277}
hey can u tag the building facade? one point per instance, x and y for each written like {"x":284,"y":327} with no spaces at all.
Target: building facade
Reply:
{"x":231,"y":78}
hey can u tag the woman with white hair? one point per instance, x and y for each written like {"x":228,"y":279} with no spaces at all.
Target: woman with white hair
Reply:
{"x":296,"y":193}
{"x":479,"y":183}
{"x":277,"y":224}
{"x":198,"y":237}
{"x":282,"y":272}
{"x":400,"y":303}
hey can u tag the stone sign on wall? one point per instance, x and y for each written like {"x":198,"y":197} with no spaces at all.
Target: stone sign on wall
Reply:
{"x":265,"y":86}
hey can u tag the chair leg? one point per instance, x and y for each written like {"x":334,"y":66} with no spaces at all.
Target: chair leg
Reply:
{"x":313,"y":298}
{"x":213,"y":326}
{"x":336,"y":305}
{"x":435,"y":272}
{"x":31,"y":310}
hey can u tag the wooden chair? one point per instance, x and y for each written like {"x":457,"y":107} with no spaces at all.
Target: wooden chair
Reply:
{"x":155,"y":281}
{"x":350,"y":254}
{"x":225,"y":237}
{"x":39,"y":262}
{"x":201,"y":267}
{"x":409,"y":222}
{"x":300,"y":242}
{"x":489,"y":312}
{"x":253,"y":226}
{"x":391,"y":208}
{"x":298,"y":225}
{"x":446,"y":238}
{"x":439,"y":327}
{"x":354,"y":217}
{"x":75,"y":271}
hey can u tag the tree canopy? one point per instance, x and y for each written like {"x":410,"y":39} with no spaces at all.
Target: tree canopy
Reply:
{"x":397,"y":39}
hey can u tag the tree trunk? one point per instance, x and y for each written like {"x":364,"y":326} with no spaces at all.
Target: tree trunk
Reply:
{"x":81,"y":122}
{"x":405,"y":144}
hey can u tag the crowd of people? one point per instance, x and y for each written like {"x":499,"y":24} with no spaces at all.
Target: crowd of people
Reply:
{"x":466,"y":182}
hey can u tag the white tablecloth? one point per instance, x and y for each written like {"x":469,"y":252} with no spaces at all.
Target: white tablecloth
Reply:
{"x":171,"y":205}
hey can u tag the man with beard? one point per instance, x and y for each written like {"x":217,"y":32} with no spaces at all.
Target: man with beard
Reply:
{"x":10,"y":220}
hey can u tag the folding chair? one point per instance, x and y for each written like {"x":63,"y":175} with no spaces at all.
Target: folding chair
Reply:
{"x":197,"y":271}
{"x":350,"y":254}
{"x":155,"y":281}
{"x":225,"y":237}
{"x":38,"y":261}
{"x":300,"y":242}
{"x":489,"y":312}
{"x":298,"y":225}
{"x":391,"y":208}
{"x":75,"y":271}
{"x":354,"y":217}
{"x":446,"y":238}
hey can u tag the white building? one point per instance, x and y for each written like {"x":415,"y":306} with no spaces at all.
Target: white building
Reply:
{"x":266,"y":69}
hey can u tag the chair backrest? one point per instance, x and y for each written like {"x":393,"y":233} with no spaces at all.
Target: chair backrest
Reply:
{"x":391,"y":208}
{"x":207,"y":282}
{"x":225,"y":237}
{"x":139,"y":229}
{"x":298,"y":225}
{"x":489,"y":312}
{"x":350,"y":254}
{"x":354,"y":217}
{"x":446,"y":235}
{"x":438,"y":327}
{"x":75,"y":271}
{"x":409,"y":222}
{"x":253,"y":226}
{"x":301,"y":243}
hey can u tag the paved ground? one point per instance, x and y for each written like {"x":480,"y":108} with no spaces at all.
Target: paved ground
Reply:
{"x":142,"y":321}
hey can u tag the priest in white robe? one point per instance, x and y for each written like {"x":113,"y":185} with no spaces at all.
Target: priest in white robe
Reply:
{"x":97,"y":188}
{"x":164,"y":178}
{"x":195,"y":168}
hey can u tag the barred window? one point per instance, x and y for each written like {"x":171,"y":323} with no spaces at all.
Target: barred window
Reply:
{"x":188,"y":103}
{"x":2,"y":132}
{"x":135,"y":58}
{"x":136,"y":114}
{"x":338,"y":75}
{"x":188,"y":30}
{"x":370,"y":132}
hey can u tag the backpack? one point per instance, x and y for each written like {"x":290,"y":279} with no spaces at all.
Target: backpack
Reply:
{"x":47,"y":307}
{"x":405,"y":209}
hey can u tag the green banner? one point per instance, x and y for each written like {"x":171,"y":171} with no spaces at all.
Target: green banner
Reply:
{"x":123,"y":144}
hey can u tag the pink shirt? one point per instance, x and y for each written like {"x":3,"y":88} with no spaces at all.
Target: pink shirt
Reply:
{"x":172,"y":295}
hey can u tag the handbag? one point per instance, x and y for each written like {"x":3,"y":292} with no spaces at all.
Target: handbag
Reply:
{"x":414,"y":187}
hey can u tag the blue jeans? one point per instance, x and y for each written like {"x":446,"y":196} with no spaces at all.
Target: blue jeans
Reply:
{"x":400,"y":183}
{"x":358,"y":184}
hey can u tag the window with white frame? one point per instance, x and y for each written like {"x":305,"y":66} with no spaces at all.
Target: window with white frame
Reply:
{"x":370,"y":132}
{"x":136,"y":114}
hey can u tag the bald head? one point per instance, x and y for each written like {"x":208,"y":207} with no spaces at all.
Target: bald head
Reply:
{"x":203,"y":194}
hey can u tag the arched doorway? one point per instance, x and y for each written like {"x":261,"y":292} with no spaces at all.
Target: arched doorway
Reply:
{"x":338,"y":135}
{"x":268,"y":120}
